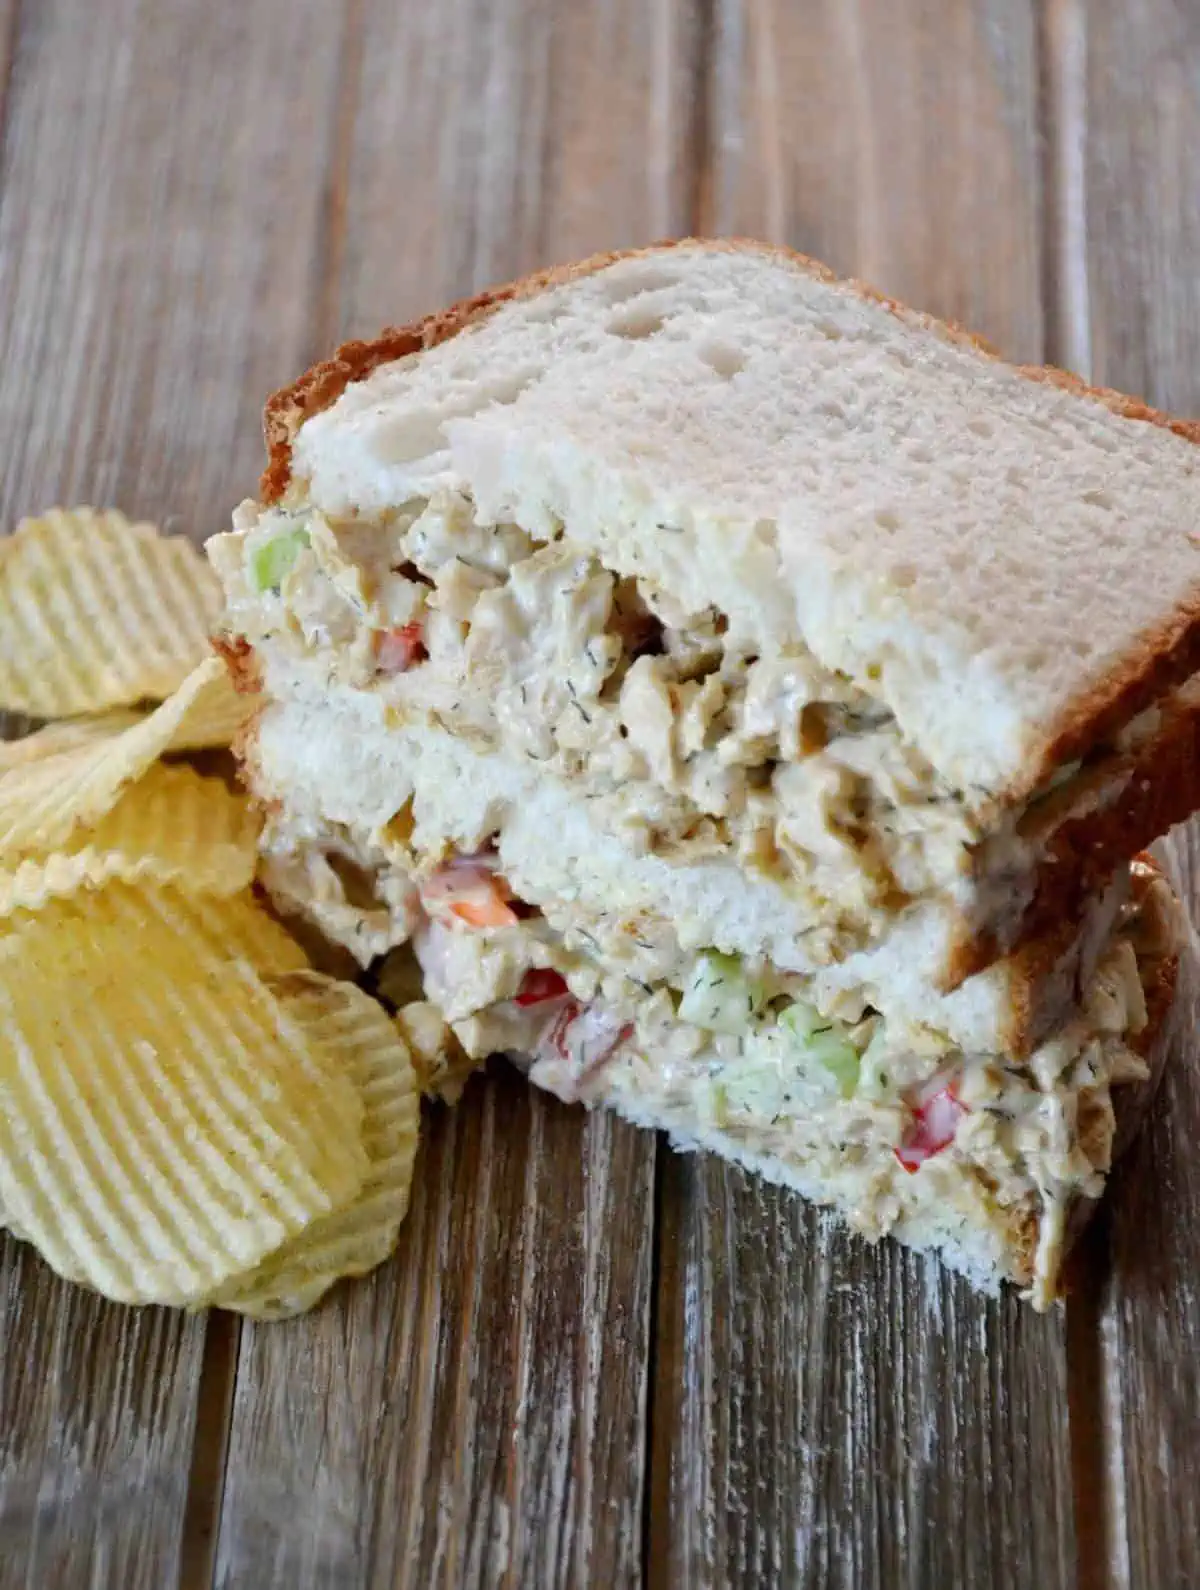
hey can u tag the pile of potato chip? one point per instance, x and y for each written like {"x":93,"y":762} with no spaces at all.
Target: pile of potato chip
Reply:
{"x":189,"y":1113}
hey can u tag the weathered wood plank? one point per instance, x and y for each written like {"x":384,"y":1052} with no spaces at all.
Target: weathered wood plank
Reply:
{"x":473,"y":1413}
{"x":894,"y":139}
{"x":156,"y":234}
{"x":476,"y":1412}
{"x":157,"y":162}
{"x":1140,"y":94}
{"x":827,"y":1413}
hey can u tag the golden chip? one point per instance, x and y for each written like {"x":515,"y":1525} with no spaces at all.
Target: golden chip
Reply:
{"x":69,"y":735}
{"x":357,"y":1034}
{"x":216,"y":718}
{"x":236,"y":926}
{"x":43,"y":802}
{"x":166,"y":1123}
{"x":97,"y":612}
{"x":172,"y":825}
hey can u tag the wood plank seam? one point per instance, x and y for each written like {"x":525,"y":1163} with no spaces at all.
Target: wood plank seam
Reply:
{"x":10,"y":43}
{"x":210,"y":1449}
{"x":653,"y":1493}
{"x":700,"y":152}
{"x":1061,"y":45}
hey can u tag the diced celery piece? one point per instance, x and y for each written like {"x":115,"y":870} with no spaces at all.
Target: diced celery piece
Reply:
{"x":720,"y":996}
{"x":271,"y":560}
{"x":719,"y":1104}
{"x":840,"y":1058}
{"x":875,"y":1079}
{"x":822,"y":1040}
{"x":801,"y":1020}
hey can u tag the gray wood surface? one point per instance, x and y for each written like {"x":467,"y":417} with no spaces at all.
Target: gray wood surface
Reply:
{"x":1139,"y":281}
{"x":833,"y":1414}
{"x":592,"y":1361}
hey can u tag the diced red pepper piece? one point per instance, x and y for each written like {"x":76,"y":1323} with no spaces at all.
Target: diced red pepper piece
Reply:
{"x":488,"y":911}
{"x":471,"y":892}
{"x":934,"y":1125}
{"x":397,"y":650}
{"x":540,"y":984}
{"x":557,"y":1036}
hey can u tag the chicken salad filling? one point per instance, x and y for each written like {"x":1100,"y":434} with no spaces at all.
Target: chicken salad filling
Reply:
{"x":606,"y":681}
{"x":862,"y":1101}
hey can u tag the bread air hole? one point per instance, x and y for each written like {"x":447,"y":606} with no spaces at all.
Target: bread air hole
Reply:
{"x":635,"y":325}
{"x":721,"y":359}
{"x":622,"y":285}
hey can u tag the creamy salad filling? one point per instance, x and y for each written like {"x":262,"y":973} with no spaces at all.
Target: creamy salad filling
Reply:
{"x":858,"y":1101}
{"x":607,"y":682}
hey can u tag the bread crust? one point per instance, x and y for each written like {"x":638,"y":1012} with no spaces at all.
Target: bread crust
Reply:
{"x":1163,"y":789}
{"x":1132,"y":1101}
{"x":1163,"y":657}
{"x":242,"y":661}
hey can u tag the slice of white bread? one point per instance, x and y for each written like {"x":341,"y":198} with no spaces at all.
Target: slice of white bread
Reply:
{"x":331,"y":766}
{"x":1003,"y":555}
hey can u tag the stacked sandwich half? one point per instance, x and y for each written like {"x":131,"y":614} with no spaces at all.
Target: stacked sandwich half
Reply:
{"x":742,"y":701}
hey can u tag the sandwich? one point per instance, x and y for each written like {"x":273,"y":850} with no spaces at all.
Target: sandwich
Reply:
{"x":742,"y":698}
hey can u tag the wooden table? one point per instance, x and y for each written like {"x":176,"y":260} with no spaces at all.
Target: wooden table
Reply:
{"x":592,"y":1362}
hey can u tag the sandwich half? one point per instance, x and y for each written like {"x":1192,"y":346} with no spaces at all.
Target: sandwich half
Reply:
{"x":692,"y":620}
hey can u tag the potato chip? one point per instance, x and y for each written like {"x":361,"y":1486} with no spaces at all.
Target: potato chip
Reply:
{"x":236,"y":925}
{"x":166,"y":1123}
{"x":357,"y":1033}
{"x":172,"y":825}
{"x":43,"y":802}
{"x":97,"y":612}
{"x":217,"y":717}
{"x":68,"y":735}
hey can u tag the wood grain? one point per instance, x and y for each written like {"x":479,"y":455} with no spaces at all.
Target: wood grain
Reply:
{"x":96,"y":1410}
{"x":826,"y":1413}
{"x":476,"y":1414}
{"x":157,"y":227}
{"x":894,"y":139}
{"x":836,"y":1414}
{"x":1141,"y":100}
{"x":158,"y":162}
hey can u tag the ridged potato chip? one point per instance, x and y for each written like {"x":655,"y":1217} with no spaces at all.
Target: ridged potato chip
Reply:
{"x":43,"y":802}
{"x":69,"y":735}
{"x":166,"y":1122}
{"x":214,"y":721}
{"x":357,"y":1034}
{"x":236,"y":926}
{"x":173,"y":825}
{"x":98,"y":612}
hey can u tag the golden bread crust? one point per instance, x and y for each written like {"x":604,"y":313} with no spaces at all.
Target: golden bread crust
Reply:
{"x":1163,"y":789}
